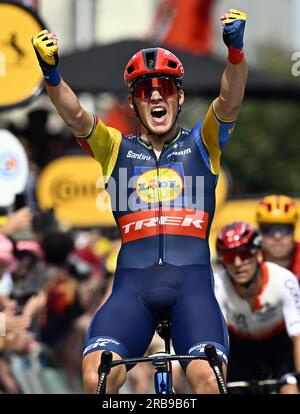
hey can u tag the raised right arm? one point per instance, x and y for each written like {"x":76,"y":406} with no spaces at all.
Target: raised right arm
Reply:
{"x":61,"y":95}
{"x":68,"y":107}
{"x":96,"y":139}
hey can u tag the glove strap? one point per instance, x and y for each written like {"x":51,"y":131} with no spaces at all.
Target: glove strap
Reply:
{"x":235,"y":55}
{"x":52,"y":76}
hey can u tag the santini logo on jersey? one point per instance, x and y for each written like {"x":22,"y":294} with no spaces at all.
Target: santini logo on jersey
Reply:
{"x":200,"y":350}
{"x":134,"y":155}
{"x":100,"y":343}
{"x":150,"y":223}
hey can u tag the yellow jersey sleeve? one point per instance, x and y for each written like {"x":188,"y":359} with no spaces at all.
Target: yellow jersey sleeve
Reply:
{"x":215,"y":133}
{"x":102,"y":143}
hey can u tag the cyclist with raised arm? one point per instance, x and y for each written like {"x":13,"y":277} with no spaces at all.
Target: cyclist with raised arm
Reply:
{"x":261,"y":303}
{"x":166,"y":177}
{"x":277,"y":216}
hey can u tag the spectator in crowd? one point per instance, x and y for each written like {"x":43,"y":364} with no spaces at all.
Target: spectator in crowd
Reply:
{"x":14,"y":334}
{"x":7,"y":265}
{"x":40,"y":143}
{"x":17,"y":221}
{"x":71,"y":294}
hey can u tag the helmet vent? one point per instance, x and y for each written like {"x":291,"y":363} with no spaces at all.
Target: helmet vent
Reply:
{"x":172,"y":64}
{"x":130,"y":69}
{"x":150,"y":60}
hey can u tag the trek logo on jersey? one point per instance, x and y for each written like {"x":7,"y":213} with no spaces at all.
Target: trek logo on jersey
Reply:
{"x":150,"y":223}
{"x":159,"y":185}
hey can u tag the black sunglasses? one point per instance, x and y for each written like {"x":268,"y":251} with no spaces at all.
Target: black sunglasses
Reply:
{"x":271,"y":229}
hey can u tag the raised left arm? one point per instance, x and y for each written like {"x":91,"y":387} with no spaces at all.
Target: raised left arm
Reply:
{"x":234,"y":78}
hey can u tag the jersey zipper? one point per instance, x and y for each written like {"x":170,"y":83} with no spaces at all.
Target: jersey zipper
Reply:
{"x":160,"y":226}
{"x":159,"y":215}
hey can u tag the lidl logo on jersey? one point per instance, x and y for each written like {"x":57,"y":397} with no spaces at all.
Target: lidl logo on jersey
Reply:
{"x":164,"y":185}
{"x":8,"y":165}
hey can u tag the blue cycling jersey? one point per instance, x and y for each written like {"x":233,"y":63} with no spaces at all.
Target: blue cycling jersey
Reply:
{"x":164,"y":207}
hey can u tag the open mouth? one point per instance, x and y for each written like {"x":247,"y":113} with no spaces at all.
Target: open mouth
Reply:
{"x":158,"y":113}
{"x":277,"y":246}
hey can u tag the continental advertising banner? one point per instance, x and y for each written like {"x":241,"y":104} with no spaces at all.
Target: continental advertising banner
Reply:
{"x":73,"y":185}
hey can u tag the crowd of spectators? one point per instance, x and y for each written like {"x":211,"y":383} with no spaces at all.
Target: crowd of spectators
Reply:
{"x":50,"y":286}
{"x":53,"y":278}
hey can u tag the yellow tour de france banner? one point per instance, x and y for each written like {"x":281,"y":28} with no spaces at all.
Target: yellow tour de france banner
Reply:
{"x":73,"y":186}
{"x":20,"y":75}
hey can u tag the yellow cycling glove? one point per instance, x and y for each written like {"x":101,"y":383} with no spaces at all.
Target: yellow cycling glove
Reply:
{"x":46,"y":52}
{"x":233,"y":35}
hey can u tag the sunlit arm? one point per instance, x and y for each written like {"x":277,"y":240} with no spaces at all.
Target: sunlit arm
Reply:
{"x":68,"y":107}
{"x":231,"y":96}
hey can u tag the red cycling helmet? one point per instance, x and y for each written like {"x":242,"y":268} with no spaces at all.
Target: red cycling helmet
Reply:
{"x":238,"y":235}
{"x":153,"y":61}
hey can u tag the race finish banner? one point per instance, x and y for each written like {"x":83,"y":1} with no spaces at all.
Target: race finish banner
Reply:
{"x":20,"y":77}
{"x":13,"y":168}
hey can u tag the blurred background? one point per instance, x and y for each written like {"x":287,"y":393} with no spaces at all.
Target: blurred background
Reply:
{"x":52,"y":284}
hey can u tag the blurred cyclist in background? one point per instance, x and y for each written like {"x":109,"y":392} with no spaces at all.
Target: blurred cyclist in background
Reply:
{"x":164,"y":261}
{"x":261,"y":303}
{"x":277,"y":216}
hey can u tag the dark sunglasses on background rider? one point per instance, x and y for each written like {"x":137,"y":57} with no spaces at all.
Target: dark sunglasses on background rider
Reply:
{"x":228,"y":256}
{"x":143,"y":87}
{"x":272,"y":229}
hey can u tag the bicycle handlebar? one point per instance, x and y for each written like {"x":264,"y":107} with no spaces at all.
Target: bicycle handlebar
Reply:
{"x":103,"y":370}
{"x":289,"y":378}
{"x":159,"y":360}
{"x":216,"y":364}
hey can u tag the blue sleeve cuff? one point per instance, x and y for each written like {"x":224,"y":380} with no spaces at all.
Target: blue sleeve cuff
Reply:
{"x":52,"y":76}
